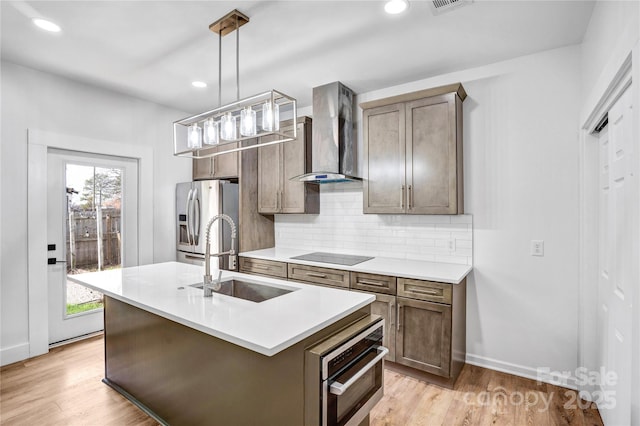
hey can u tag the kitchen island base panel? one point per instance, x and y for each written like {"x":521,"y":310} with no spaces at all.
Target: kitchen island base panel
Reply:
{"x":134,"y":401}
{"x":183,"y":376}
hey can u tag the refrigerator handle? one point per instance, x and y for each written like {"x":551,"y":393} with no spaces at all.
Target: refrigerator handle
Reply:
{"x":196,"y":221}
{"x":188,"y":211}
{"x":192,"y":214}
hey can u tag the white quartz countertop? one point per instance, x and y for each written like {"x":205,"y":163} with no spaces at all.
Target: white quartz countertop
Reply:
{"x":417,"y":269}
{"x":267,"y":327}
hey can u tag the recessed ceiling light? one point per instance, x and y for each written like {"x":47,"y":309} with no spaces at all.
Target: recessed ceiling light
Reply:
{"x":46,"y":25}
{"x":393,"y":7}
{"x":199,"y":84}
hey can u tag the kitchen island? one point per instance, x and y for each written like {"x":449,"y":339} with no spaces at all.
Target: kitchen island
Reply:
{"x":189,"y":359}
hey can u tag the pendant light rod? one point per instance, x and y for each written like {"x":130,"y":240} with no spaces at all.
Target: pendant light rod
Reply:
{"x":220,"y":68}
{"x":229,"y":23}
{"x":237,"y":60}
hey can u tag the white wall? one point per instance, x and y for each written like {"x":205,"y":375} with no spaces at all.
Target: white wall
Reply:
{"x":613,"y":31}
{"x":36,"y":100}
{"x":521,"y":183}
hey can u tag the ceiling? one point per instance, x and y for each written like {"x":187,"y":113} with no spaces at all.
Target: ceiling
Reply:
{"x":155,"y":49}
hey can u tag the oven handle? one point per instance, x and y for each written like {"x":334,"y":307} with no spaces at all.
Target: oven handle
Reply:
{"x":338,"y":388}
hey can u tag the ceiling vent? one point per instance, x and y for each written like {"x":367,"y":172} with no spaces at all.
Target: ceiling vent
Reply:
{"x":439,"y":7}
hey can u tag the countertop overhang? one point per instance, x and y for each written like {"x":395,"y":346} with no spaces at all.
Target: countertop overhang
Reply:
{"x":406,"y":268}
{"x":267,"y":327}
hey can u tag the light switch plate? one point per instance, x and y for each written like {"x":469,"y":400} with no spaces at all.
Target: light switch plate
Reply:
{"x":537,"y":247}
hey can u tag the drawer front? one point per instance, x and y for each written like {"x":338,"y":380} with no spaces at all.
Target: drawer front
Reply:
{"x":315,"y":275}
{"x":373,"y":282}
{"x":425,"y":290}
{"x":269,"y":268}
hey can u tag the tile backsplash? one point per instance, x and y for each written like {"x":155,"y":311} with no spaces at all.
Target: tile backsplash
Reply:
{"x":342,"y":227}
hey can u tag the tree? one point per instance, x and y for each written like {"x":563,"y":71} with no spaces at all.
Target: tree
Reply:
{"x":107,"y":186}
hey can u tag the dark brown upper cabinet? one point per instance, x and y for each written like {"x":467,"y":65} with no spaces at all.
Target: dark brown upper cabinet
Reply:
{"x":413,"y":152}
{"x":280,"y":162}
{"x":222,"y":166}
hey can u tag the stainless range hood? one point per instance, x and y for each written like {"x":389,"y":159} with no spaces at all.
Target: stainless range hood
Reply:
{"x":334,"y":150}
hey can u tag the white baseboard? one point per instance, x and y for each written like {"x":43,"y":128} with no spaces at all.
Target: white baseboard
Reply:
{"x":14,"y":354}
{"x":523,"y":371}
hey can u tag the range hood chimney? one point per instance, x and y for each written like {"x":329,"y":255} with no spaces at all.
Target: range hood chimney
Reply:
{"x":333,"y":142}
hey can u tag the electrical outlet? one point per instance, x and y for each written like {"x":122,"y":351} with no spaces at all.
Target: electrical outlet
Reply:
{"x":537,"y":248}
{"x":452,"y":244}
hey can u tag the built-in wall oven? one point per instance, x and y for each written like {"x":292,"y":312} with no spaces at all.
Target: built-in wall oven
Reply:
{"x":344,"y":374}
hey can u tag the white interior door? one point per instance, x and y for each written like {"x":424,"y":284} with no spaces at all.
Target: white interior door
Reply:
{"x":615,"y":264}
{"x":92,"y":219}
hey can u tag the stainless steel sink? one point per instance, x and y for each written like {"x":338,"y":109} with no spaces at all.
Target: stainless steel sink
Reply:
{"x":247,"y":290}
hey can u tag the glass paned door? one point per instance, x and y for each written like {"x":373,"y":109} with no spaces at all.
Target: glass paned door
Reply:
{"x":92,"y":223}
{"x":93,"y":237}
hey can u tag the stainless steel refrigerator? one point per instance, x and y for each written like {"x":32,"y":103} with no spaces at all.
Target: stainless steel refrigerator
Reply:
{"x":196,"y":203}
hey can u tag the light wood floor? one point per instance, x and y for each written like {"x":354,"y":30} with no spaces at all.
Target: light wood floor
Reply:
{"x":64,"y":388}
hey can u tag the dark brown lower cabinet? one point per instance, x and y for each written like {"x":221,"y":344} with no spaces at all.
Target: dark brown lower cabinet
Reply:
{"x":316,"y":275}
{"x":264,"y":267}
{"x":385,"y":306}
{"x":425,"y":321}
{"x":431,"y":328}
{"x":423,"y":339}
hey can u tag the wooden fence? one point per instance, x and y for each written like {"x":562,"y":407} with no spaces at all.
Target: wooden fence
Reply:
{"x":82,"y":235}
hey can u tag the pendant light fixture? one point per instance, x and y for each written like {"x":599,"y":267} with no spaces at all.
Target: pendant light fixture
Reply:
{"x":270,"y":116}
{"x":245,"y":121}
{"x":211,"y":132}
{"x":195,"y":136}
{"x":248,"y":122}
{"x":228,"y":127}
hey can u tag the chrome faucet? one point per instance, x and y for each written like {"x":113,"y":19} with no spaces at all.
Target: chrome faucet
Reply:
{"x":208,"y":284}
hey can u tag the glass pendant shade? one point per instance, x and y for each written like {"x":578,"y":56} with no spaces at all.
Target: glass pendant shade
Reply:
{"x":228,"y":130}
{"x":211,"y":132}
{"x":270,"y":117}
{"x":248,"y":122}
{"x":195,"y":136}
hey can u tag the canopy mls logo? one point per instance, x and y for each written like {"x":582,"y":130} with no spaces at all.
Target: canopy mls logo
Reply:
{"x":501,"y":397}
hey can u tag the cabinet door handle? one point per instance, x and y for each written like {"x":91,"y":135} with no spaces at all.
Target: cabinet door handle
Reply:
{"x":391,"y":316}
{"x":410,"y":197}
{"x":399,"y":319}
{"x":311,"y":274}
{"x":403,"y":196}
{"x":193,"y":257}
{"x":264,"y":268}
{"x":213,"y":166}
{"x":420,"y":291}
{"x":368,"y":282}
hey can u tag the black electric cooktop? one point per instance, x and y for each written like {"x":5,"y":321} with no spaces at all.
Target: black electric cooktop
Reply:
{"x":335,"y":258}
